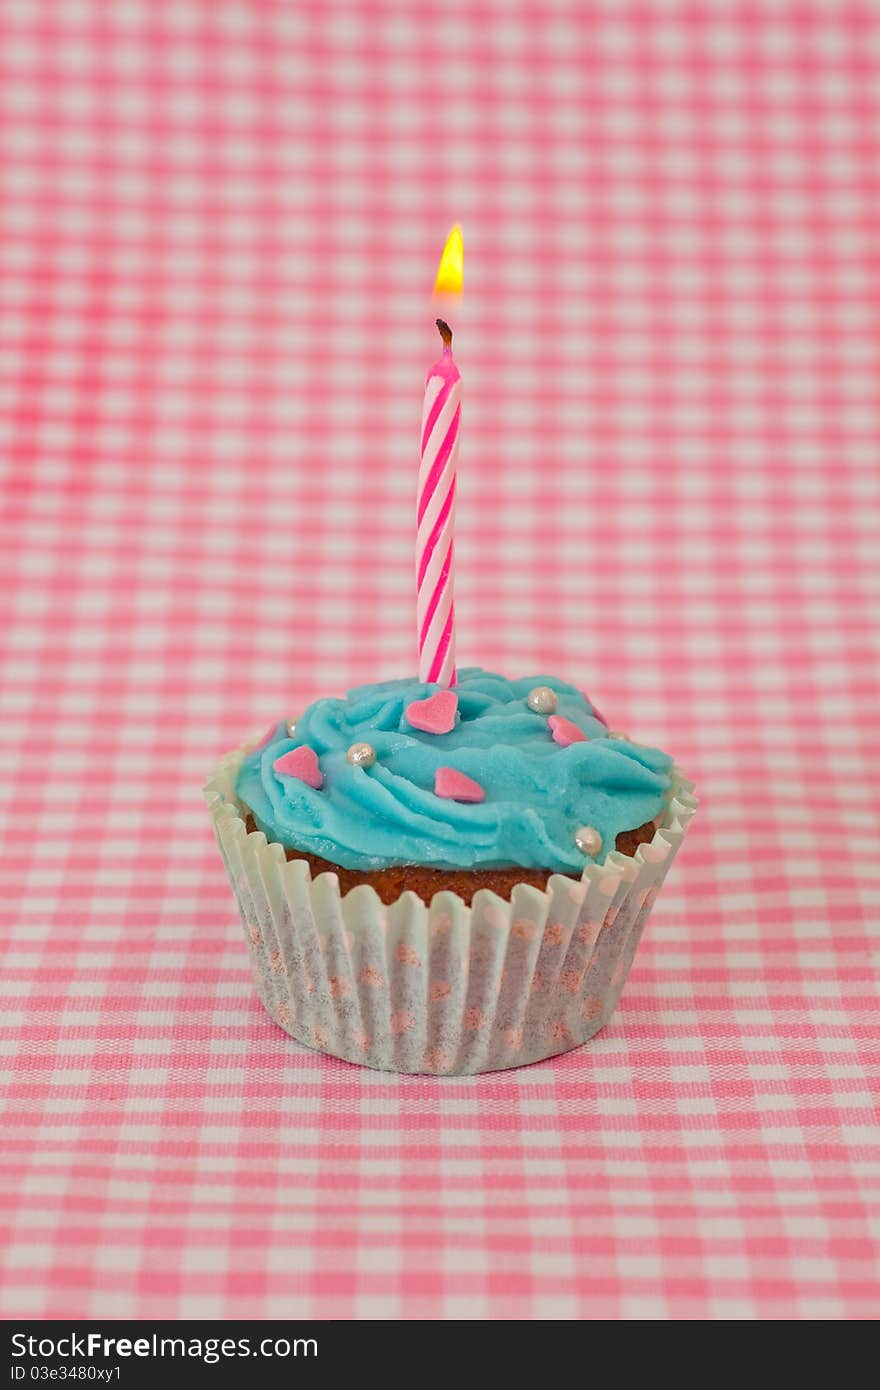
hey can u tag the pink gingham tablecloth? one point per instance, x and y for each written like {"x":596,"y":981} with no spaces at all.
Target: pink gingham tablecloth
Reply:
{"x":219,"y":225}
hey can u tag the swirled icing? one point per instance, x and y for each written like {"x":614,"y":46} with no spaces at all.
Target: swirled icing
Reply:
{"x":537,"y":793}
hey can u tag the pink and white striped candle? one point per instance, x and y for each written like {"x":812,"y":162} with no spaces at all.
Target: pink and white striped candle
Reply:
{"x":436,"y":517}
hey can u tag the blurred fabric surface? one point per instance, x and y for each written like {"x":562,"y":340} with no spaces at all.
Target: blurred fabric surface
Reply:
{"x":219,"y":226}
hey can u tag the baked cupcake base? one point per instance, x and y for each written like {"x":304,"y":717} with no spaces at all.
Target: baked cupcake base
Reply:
{"x":425,"y":882}
{"x":441,"y":987}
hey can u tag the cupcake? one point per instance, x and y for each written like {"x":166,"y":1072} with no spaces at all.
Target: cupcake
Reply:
{"x":446,"y":880}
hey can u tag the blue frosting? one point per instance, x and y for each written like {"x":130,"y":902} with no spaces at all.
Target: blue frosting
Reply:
{"x":537,"y":793}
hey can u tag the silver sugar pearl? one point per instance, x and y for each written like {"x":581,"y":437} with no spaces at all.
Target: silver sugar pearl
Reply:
{"x":361,"y":755}
{"x":615,"y":733}
{"x":542,"y":700}
{"x":588,"y":840}
{"x":291,"y":728}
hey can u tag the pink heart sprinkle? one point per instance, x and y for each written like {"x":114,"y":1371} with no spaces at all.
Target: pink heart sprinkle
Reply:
{"x":452,"y":784}
{"x":302,"y":763}
{"x":564,"y":732}
{"x":436,"y":715}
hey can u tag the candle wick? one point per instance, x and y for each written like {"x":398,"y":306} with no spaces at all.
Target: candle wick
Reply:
{"x":445,"y":334}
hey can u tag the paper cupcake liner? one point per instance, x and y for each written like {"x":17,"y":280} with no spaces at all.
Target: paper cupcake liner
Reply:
{"x":445,"y":988}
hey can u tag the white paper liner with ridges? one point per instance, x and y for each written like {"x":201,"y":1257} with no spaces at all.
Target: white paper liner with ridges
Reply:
{"x":447,"y":988}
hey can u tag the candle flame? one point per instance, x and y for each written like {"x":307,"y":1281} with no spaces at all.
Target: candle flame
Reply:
{"x":450,"y":274}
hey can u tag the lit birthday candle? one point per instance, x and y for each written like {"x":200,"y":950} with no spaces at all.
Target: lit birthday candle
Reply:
{"x":435,"y":554}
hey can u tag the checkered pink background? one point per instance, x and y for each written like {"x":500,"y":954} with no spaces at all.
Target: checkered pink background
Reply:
{"x":220,"y":223}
